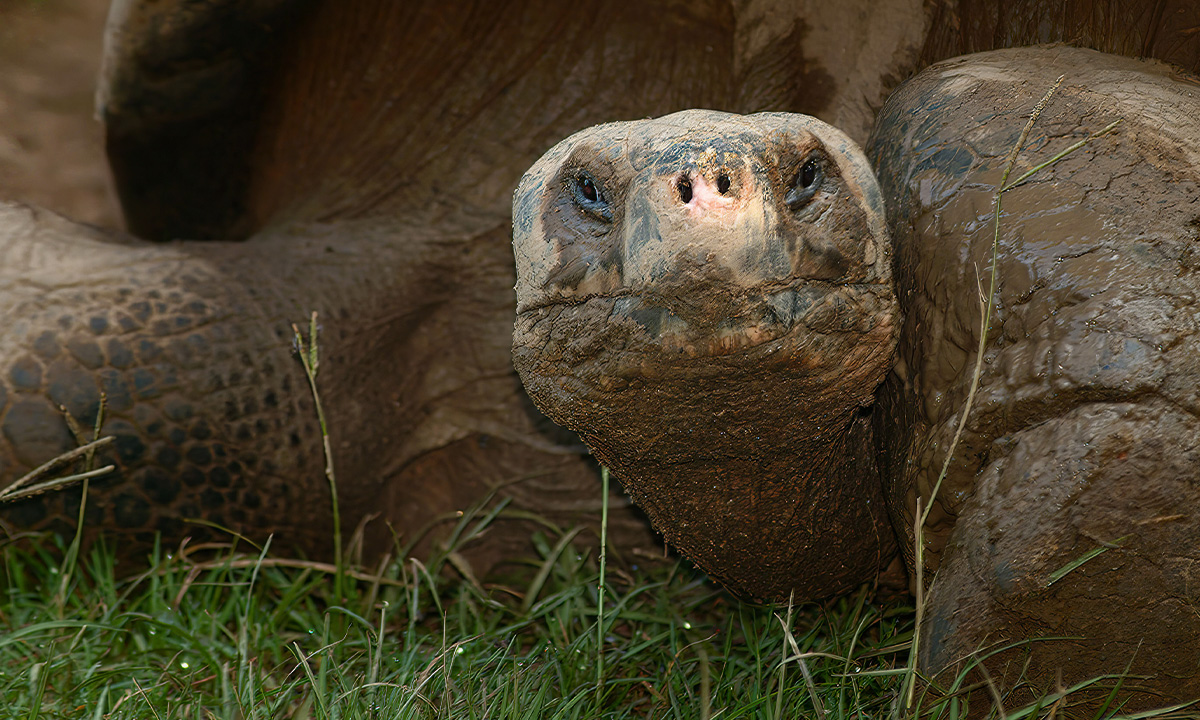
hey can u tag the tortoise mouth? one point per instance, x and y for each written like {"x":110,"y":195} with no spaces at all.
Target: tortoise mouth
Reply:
{"x":716,"y":325}
{"x":711,"y":322}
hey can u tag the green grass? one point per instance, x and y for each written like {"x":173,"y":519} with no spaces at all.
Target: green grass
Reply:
{"x":247,"y":636}
{"x":218,"y":633}
{"x":215,"y":633}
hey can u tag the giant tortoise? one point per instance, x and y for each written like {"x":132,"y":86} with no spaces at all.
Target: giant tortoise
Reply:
{"x":279,"y":157}
{"x":710,"y":301}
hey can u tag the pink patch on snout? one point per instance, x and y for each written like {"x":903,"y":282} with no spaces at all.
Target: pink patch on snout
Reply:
{"x":706,"y":198}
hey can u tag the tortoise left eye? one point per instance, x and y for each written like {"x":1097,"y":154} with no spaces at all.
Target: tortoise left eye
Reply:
{"x":588,"y":188}
{"x":804,"y":187}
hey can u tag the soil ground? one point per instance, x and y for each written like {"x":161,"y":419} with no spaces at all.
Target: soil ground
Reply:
{"x":51,"y":145}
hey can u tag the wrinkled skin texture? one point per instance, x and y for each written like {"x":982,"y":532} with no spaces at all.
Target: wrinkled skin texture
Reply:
{"x":366,"y":153}
{"x":1085,"y":430}
{"x":1085,"y":433}
{"x":704,"y":298}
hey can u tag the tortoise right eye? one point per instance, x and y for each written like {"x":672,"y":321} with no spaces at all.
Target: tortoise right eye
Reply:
{"x":589,"y":196}
{"x":588,"y":187}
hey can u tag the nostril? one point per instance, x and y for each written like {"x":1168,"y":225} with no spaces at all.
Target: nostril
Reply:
{"x":723,"y":184}
{"x":685,"y":190}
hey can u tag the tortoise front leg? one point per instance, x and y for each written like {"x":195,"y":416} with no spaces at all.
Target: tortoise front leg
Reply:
{"x":1085,"y":533}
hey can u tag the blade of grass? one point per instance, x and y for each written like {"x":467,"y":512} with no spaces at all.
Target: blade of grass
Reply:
{"x":1065,"y":570}
{"x":539,"y":580}
{"x":67,"y":569}
{"x":600,"y":586}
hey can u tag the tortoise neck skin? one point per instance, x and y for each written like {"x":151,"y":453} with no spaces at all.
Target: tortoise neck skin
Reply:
{"x":706,"y":299}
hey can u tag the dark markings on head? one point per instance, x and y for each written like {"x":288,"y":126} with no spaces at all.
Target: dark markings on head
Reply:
{"x":584,"y":203}
{"x":696,"y":203}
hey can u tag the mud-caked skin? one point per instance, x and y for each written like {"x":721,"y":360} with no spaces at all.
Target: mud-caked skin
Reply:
{"x":1084,"y":433}
{"x":647,"y":255}
{"x":703,"y":297}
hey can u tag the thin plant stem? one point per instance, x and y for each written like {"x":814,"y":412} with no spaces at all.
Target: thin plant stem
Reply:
{"x":1062,"y":154}
{"x":17,"y":488}
{"x":987,"y":304}
{"x":987,"y":307}
{"x":89,"y":459}
{"x":787,"y":626}
{"x":310,"y":359}
{"x":59,"y":483}
{"x":600,"y":594}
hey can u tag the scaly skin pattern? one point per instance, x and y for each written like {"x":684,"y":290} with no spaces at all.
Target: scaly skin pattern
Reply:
{"x":704,"y":298}
{"x":191,"y":343}
{"x":1085,"y":433}
{"x":164,"y":336}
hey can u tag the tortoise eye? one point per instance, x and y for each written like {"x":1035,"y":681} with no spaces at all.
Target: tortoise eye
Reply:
{"x":805,"y":186}
{"x":590,"y":197}
{"x":588,"y":190}
{"x":587,"y":186}
{"x":808,"y":173}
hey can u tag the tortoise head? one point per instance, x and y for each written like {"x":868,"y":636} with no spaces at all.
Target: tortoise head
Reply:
{"x":706,"y":298}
